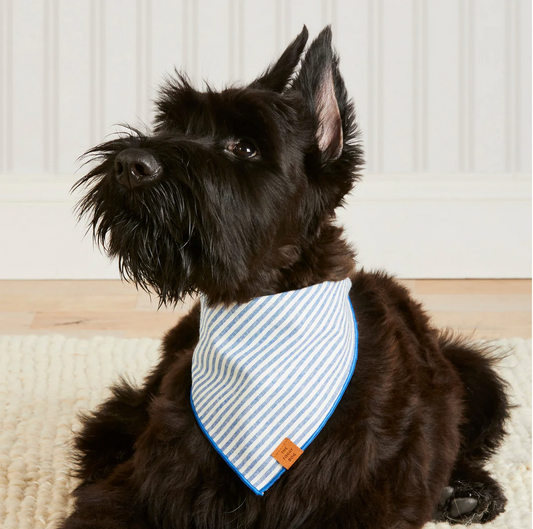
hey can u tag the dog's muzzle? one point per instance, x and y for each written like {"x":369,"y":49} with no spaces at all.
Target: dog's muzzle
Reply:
{"x":136,"y":167}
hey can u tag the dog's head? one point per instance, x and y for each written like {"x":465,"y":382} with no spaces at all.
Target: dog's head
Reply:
{"x":234,"y":192}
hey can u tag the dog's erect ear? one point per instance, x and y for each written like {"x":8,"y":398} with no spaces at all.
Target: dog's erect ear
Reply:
{"x":321,"y":84}
{"x":278,"y":75}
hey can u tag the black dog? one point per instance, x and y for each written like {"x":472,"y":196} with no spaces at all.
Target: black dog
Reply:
{"x":233,"y":195}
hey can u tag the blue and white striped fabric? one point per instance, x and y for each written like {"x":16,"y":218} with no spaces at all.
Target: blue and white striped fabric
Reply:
{"x":272,"y":368}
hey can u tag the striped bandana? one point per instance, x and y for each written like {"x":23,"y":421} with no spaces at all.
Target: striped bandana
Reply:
{"x":268,"y":374}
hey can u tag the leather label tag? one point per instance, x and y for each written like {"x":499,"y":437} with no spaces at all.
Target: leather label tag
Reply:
{"x":287,"y":453}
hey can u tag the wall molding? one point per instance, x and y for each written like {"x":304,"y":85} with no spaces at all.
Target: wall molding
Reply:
{"x":413,"y":225}
{"x":437,"y":86}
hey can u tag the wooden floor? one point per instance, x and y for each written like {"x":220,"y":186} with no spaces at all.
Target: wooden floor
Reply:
{"x":479,"y":308}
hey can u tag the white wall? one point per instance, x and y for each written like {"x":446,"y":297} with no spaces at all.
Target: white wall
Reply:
{"x":442,"y":88}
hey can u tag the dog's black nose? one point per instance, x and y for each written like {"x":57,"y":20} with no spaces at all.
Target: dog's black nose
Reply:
{"x":135,"y":167}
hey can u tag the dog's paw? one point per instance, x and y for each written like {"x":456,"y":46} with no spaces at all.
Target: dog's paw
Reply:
{"x":465,"y":503}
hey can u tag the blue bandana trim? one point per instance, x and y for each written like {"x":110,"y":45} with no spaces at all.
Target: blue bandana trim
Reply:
{"x":270,"y":369}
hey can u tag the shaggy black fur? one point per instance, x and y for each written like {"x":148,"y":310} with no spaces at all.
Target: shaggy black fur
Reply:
{"x":244,"y":206}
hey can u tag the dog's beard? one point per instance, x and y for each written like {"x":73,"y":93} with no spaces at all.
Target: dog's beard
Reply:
{"x":204,"y":225}
{"x":180,"y":234}
{"x":151,"y":231}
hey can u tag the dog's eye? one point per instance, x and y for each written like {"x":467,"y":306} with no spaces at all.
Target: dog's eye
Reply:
{"x":244,"y":149}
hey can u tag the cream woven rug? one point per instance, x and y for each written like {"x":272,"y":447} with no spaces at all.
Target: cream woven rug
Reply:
{"x":46,"y":380}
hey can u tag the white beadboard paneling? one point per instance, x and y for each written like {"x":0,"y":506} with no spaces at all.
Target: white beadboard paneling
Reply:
{"x":167,"y":39}
{"x":397,"y":86}
{"x":466,"y":43}
{"x":236,"y":51}
{"x":330,"y":15}
{"x":51,"y":86}
{"x":487,"y":92}
{"x":120,"y":68}
{"x":429,"y":225}
{"x":269,"y":27}
{"x":28,"y":87}
{"x":143,"y":52}
{"x":191,"y":35}
{"x":73,"y":89}
{"x":419,"y":81}
{"x":96,"y":81}
{"x":443,"y":89}
{"x":352,"y":46}
{"x":439,"y":86}
{"x":6,"y":86}
{"x":522,"y":95}
{"x":300,"y":12}
{"x":259,"y":24}
{"x":214,"y":46}
{"x":373,"y":131}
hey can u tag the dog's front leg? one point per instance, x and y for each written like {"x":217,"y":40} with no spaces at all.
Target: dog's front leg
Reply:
{"x":108,"y":434}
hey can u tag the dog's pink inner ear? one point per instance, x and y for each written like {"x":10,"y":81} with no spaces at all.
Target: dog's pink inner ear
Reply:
{"x":329,"y":133}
